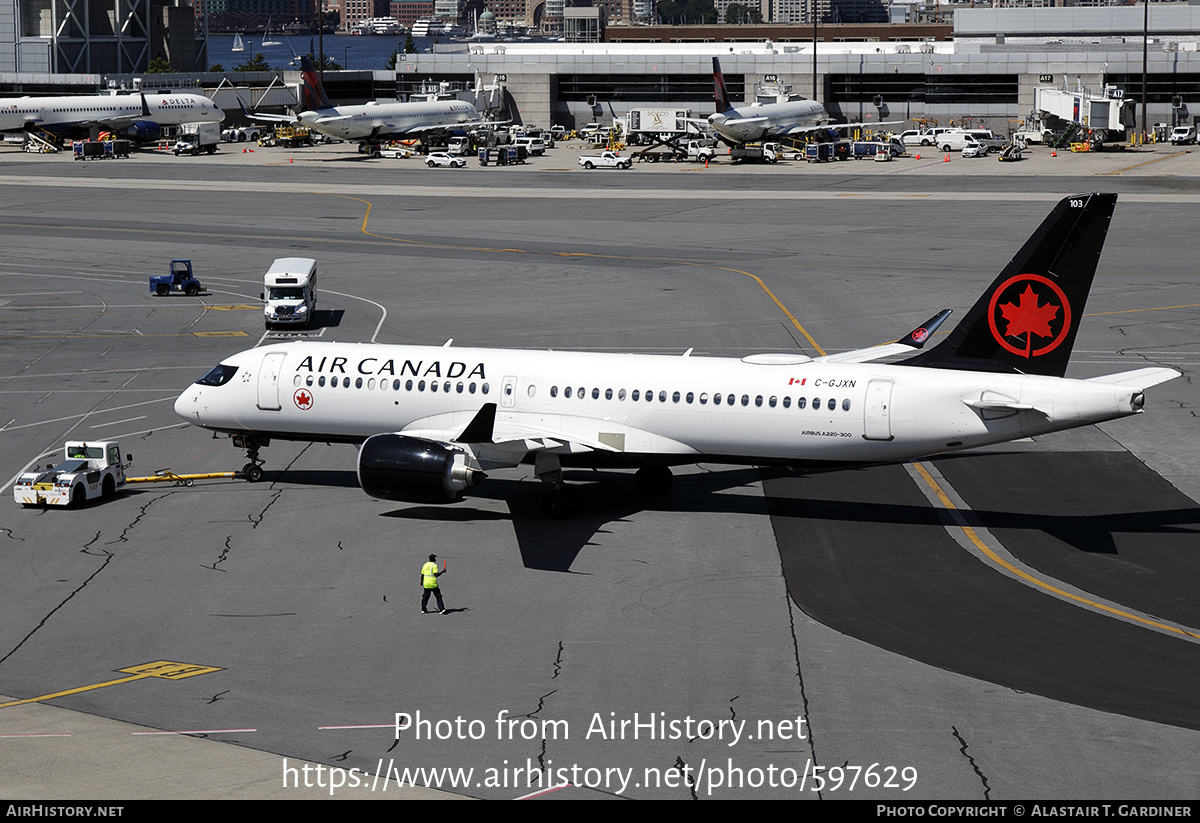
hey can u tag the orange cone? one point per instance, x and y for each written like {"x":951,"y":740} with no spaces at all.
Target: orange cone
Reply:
{"x":946,"y":159}
{"x":918,"y":155}
{"x":1054,"y":152}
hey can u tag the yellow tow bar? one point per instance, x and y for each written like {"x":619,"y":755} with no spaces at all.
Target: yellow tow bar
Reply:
{"x":168,"y":476}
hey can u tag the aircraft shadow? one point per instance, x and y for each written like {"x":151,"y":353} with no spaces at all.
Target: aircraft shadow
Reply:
{"x":609,"y":498}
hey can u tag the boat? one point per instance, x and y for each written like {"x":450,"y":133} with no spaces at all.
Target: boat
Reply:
{"x":428,"y":28}
{"x":267,"y":41}
{"x":238,"y":45}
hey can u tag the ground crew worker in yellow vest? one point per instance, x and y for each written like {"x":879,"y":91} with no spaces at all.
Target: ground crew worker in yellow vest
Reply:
{"x":429,"y":576}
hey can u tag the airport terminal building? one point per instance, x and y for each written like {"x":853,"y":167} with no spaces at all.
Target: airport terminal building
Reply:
{"x":986,"y":70}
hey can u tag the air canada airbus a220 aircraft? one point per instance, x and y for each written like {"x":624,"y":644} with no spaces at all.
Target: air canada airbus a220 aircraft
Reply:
{"x":431,"y":420}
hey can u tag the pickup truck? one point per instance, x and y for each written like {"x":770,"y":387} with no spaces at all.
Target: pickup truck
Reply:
{"x":605,"y":160}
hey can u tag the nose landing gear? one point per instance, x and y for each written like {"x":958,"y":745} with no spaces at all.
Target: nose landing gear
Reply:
{"x":252,"y":471}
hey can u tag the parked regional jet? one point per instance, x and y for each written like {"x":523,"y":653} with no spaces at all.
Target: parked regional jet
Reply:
{"x":138,"y":117}
{"x":793,"y":117}
{"x":374,"y":122}
{"x":431,"y":420}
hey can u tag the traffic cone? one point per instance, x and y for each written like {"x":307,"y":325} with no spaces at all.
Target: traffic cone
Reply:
{"x":243,"y":151}
{"x":289,"y":159}
{"x":946,"y":159}
{"x":918,"y":155}
{"x":1054,"y":152}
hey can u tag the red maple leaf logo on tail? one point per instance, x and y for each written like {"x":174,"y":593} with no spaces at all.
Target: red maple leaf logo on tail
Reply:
{"x":1028,"y":318}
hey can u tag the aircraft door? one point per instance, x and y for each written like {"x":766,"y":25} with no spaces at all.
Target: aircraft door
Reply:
{"x":877,"y":411}
{"x":268,"y":381}
{"x":508,"y":392}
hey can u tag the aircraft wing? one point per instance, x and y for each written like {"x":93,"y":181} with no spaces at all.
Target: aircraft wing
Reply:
{"x":265,"y":118}
{"x":493,"y":433}
{"x":913,"y":341}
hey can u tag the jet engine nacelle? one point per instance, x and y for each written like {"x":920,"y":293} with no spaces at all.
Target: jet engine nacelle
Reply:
{"x":415,"y":470}
{"x":143,"y":131}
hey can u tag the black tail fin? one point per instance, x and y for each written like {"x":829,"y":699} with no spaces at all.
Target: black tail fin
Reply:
{"x":314,"y":93}
{"x":720,"y":94}
{"x":1027,"y":319}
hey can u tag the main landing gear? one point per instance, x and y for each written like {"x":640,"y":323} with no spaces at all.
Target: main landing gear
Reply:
{"x":563,"y":502}
{"x":252,"y":471}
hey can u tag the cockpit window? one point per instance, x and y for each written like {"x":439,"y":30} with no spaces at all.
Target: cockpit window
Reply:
{"x":219,"y":376}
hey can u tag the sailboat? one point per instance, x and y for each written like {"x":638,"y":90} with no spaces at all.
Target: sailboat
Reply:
{"x":238,"y":45}
{"x":267,"y":41}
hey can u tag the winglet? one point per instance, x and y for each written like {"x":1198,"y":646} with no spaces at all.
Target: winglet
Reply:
{"x":479,"y":430}
{"x":917,"y":337}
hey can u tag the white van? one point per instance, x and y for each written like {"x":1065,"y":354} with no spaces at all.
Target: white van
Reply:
{"x":959,"y":139}
{"x":533,"y":145}
{"x":290,"y":292}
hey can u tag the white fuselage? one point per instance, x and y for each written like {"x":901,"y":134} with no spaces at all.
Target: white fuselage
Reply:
{"x":619,"y":409}
{"x":112,"y":110}
{"x":759,"y":121}
{"x":387,"y":119}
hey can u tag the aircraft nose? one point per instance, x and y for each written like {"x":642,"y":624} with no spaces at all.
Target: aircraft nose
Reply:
{"x":187,"y":405}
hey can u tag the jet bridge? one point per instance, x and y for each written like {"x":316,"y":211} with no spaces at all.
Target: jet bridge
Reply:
{"x":1105,"y":110}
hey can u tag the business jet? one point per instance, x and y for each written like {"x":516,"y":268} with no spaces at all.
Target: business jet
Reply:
{"x":429,"y":421}
{"x":796,"y":116}
{"x":374,"y":122}
{"x":139,"y":117}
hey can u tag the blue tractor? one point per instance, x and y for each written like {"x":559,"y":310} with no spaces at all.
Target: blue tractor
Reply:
{"x":180,"y":279}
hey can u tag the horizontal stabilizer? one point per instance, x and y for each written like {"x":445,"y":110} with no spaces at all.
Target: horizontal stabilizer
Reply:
{"x":1138,"y":378}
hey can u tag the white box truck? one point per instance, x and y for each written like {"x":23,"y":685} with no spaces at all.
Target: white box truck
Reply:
{"x":290,"y":292}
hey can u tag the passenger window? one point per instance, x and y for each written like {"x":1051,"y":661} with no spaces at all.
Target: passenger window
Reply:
{"x":371,"y":384}
{"x":358,"y":383}
{"x":433,"y":385}
{"x":675,"y":397}
{"x":621,"y":394}
{"x":567,"y":392}
{"x":333,"y":381}
{"x":608,"y":394}
{"x":446,"y":387}
{"x":717,"y":399}
{"x":816,"y":404}
{"x":553,"y":391}
{"x":787,"y":402}
{"x":471,"y":387}
{"x":459,"y":388}
{"x":745,"y":400}
{"x":421,"y":386}
{"x":729,"y":399}
{"x":296,"y":380}
{"x":595,"y":394}
{"x":801,"y":402}
{"x":703,"y":398}
{"x":771,"y":402}
{"x":846,"y":404}
{"x":662,"y":397}
{"x":581,"y":393}
{"x":832,"y":404}
{"x":690,"y":397}
{"x":635,"y":395}
{"x":530,"y":391}
{"x":321,"y":380}
{"x":408,"y":384}
{"x":308,"y":381}
{"x":485,"y":388}
{"x":757,"y":401}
